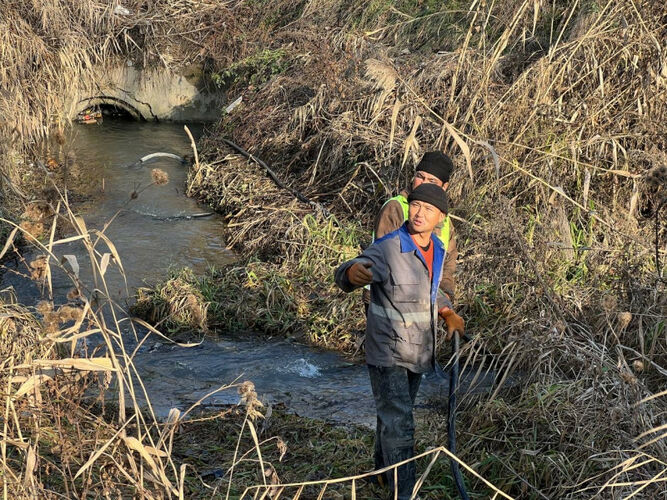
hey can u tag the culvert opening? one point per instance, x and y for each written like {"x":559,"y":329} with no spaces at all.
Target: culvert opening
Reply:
{"x":115,"y":112}
{"x":96,"y":109}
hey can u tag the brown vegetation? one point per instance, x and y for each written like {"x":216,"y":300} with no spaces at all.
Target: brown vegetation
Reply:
{"x":57,"y":439}
{"x":555,"y":112}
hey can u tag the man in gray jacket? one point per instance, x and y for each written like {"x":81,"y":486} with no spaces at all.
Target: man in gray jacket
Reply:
{"x":404,"y":269}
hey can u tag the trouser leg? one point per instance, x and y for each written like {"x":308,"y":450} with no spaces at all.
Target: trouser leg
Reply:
{"x":394,"y":390}
{"x":414,"y":381}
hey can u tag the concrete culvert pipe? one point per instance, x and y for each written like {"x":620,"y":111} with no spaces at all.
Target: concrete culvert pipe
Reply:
{"x":104,"y":102}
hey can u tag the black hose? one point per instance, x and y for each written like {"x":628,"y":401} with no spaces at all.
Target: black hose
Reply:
{"x":451,"y":424}
{"x":297,"y":194}
{"x":453,"y":382}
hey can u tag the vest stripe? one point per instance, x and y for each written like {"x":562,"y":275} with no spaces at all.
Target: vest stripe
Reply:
{"x":394,"y":315}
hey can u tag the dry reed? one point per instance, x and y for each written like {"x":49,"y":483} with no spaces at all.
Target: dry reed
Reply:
{"x":555,"y":113}
{"x":77,"y":420}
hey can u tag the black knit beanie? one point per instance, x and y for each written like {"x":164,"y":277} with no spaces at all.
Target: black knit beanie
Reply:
{"x":438,"y":164}
{"x":430,"y":193}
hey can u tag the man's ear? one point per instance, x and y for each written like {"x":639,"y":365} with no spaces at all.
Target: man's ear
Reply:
{"x":443,"y":216}
{"x":445,"y":185}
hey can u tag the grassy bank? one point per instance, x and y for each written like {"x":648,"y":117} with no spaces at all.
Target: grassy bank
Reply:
{"x":294,"y":297}
{"x":299,"y":450}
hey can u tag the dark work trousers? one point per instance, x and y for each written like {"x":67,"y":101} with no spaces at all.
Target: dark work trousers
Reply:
{"x":395,"y":389}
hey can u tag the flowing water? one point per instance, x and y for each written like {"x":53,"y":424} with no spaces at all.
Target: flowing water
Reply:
{"x":155,"y":231}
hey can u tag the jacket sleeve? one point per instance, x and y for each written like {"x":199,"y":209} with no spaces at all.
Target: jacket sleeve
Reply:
{"x":372,"y":254}
{"x":448,"y":282}
{"x":389,"y":219}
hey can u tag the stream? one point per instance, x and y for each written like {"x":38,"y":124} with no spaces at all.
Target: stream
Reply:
{"x":152,"y":233}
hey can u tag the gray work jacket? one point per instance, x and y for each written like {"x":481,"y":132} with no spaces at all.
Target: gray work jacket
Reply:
{"x":403,"y":312}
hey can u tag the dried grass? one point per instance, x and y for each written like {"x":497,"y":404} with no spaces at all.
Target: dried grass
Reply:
{"x":73,"y":422}
{"x":177,"y":305}
{"x":20,"y":333}
{"x":558,"y":110}
{"x":294,"y":296}
{"x":556,"y":116}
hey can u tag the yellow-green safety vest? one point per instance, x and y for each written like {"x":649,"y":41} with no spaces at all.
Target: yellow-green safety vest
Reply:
{"x":446,"y":226}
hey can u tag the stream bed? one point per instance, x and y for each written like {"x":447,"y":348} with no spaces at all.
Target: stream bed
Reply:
{"x":154,"y":232}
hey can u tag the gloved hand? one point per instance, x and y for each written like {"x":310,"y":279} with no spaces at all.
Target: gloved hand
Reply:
{"x":360,"y":274}
{"x":453,"y":321}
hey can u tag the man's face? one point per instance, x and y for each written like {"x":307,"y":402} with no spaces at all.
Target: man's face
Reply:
{"x":423,"y":217}
{"x":424,"y":177}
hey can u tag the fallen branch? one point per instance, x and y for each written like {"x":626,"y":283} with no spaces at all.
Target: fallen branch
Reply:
{"x":299,"y":196}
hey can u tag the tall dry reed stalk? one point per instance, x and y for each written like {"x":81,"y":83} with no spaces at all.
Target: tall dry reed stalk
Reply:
{"x":47,"y":388}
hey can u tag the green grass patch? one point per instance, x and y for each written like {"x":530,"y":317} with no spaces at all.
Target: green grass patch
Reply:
{"x":294,"y":297}
{"x":255,"y":69}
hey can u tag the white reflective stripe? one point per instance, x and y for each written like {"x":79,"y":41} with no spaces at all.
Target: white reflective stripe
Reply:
{"x":394,"y":315}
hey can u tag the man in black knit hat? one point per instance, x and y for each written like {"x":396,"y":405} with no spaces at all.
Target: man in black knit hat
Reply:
{"x":434,"y":168}
{"x":403,"y":269}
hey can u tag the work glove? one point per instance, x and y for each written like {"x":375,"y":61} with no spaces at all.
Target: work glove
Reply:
{"x":453,"y":321}
{"x":360,"y":274}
